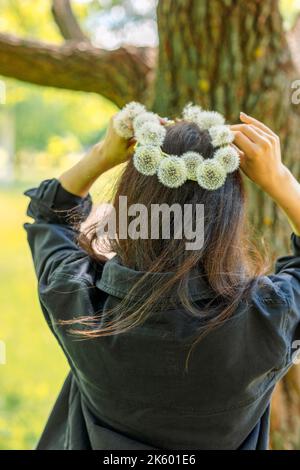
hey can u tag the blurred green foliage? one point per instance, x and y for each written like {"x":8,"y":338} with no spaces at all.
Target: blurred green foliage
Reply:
{"x":63,"y":113}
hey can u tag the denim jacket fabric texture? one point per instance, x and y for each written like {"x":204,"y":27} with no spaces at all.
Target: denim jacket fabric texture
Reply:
{"x":131,"y":391}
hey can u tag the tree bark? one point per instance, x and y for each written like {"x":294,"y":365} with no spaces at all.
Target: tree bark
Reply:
{"x":66,"y":21}
{"x":233,"y":56}
{"x":120,"y":75}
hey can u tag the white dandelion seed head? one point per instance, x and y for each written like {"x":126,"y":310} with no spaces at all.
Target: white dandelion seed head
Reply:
{"x":192,"y":161}
{"x":221,"y":135}
{"x":122,"y":124}
{"x":146,"y":159}
{"x":191,"y":112}
{"x":172,"y":171}
{"x":133,"y":109}
{"x":151,"y":133}
{"x":211,"y":175}
{"x":228,"y":157}
{"x":123,"y":121}
{"x":208,"y":119}
{"x":144,"y":117}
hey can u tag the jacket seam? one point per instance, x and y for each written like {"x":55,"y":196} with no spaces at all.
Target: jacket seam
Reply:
{"x":74,"y":277}
{"x":285,"y":325}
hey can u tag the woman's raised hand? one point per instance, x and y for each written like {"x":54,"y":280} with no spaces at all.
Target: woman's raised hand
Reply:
{"x":103,"y":156}
{"x":260,"y":152}
{"x":261,"y":161}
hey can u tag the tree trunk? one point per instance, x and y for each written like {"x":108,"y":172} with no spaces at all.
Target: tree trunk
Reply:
{"x":232,"y":56}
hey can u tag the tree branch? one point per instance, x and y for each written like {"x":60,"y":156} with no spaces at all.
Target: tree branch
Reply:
{"x":66,"y":21}
{"x":120,"y":75}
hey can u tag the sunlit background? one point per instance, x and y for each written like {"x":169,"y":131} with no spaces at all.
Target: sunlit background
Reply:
{"x":42,"y":131}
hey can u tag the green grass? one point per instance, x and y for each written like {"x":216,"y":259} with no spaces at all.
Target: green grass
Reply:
{"x":35,"y":367}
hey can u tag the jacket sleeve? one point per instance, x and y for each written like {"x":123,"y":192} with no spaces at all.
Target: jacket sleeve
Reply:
{"x":67,"y":275}
{"x":287,"y":282}
{"x":52,"y":235}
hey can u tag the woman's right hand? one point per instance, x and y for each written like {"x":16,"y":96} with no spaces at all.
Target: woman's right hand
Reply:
{"x":260,"y":153}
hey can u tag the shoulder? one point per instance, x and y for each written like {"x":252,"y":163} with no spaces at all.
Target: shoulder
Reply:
{"x":270,"y":290}
{"x":270,"y":315}
{"x":76,"y":267}
{"x":71,"y":291}
{"x":79,"y":268}
{"x":269,"y":302}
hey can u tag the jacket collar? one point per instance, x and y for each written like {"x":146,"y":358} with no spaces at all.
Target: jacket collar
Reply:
{"x":118,"y":280}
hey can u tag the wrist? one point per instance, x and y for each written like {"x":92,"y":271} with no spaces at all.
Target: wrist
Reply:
{"x":78,"y":179}
{"x":279,"y":183}
{"x":95,"y":158}
{"x":287,"y":197}
{"x":99,"y":159}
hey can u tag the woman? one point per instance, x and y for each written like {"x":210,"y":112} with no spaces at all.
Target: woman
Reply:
{"x":168,"y":348}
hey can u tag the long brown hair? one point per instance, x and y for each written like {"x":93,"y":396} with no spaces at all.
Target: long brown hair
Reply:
{"x":228,"y":261}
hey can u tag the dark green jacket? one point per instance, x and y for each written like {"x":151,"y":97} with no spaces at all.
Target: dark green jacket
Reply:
{"x":131,"y":391}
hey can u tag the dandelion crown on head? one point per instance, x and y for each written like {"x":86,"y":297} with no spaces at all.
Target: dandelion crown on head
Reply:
{"x":134,"y":121}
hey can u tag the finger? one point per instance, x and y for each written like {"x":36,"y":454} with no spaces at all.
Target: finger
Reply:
{"x":250,"y":120}
{"x":239,"y":127}
{"x":241,"y":155}
{"x":163,"y":121}
{"x":271,"y":138}
{"x":130,"y":150}
{"x":131,"y":141}
{"x":256,"y":137}
{"x":239,"y":151}
{"x":245,"y":144}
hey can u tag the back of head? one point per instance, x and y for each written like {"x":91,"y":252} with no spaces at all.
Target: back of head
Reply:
{"x":223,"y":214}
{"x":224,"y":260}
